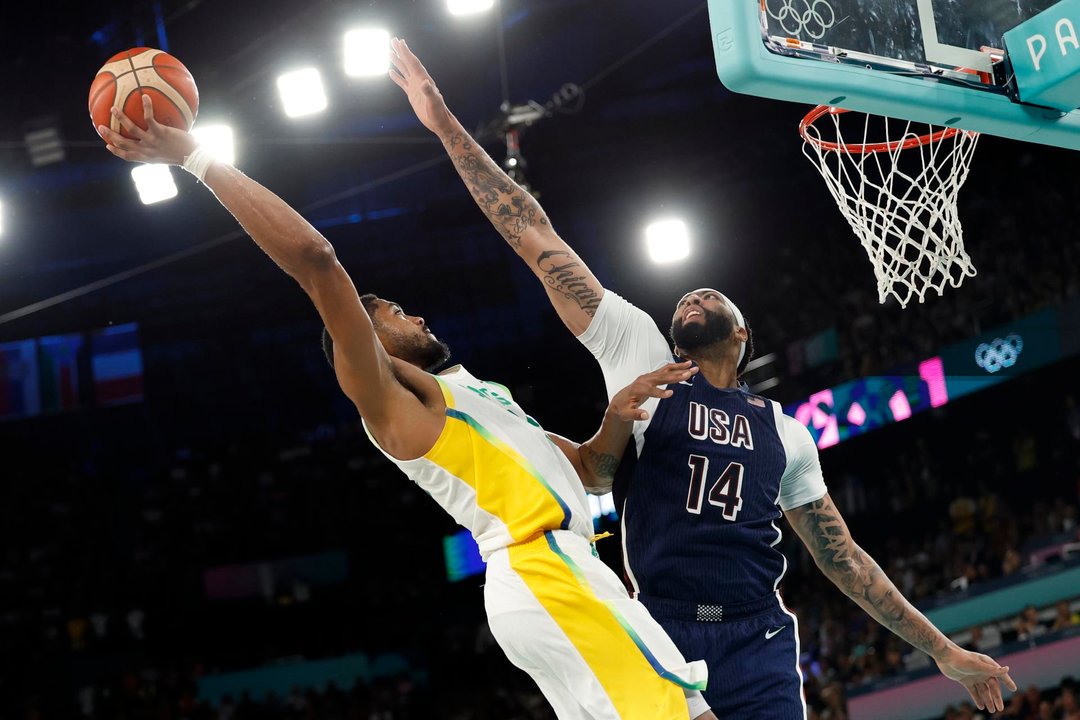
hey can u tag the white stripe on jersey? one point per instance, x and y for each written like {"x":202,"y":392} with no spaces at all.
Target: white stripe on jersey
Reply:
{"x":626,"y":555}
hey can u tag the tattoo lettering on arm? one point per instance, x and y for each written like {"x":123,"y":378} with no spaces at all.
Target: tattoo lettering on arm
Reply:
{"x":565,"y":275}
{"x":601,"y":465}
{"x":509,"y":208}
{"x":826,"y":535}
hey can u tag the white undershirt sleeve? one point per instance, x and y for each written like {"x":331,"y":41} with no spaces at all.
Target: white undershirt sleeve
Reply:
{"x":627,"y":344}
{"x":625,"y":341}
{"x":802,"y":481}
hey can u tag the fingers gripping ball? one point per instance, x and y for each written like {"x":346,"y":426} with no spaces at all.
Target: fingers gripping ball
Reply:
{"x":126,"y":77}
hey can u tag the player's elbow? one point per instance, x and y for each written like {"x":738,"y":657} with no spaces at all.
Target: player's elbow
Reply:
{"x":318,"y":254}
{"x":312,"y":262}
{"x":597,"y":485}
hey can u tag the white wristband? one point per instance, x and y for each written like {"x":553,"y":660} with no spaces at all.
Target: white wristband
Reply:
{"x":198,"y":162}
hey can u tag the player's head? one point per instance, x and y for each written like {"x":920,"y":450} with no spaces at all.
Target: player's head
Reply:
{"x":706,"y":322}
{"x":405,"y":337}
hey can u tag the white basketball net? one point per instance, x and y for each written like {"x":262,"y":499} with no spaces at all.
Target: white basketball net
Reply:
{"x":899,"y":196}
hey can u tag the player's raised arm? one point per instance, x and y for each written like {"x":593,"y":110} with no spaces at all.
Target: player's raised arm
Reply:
{"x":516,"y":214}
{"x":851,"y":569}
{"x":363,"y":367}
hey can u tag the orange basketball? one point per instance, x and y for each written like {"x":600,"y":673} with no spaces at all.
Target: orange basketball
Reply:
{"x":126,"y":77}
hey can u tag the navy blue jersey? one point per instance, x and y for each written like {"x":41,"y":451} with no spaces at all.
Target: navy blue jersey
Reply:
{"x":705,"y":478}
{"x":699,"y":504}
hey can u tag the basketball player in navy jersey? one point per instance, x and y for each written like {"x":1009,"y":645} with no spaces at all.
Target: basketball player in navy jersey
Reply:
{"x":708,"y":473}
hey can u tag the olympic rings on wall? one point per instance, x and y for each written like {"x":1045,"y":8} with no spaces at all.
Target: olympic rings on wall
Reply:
{"x":999,"y":354}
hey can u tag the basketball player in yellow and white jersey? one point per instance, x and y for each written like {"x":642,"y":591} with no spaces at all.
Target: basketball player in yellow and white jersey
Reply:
{"x":558,"y":612}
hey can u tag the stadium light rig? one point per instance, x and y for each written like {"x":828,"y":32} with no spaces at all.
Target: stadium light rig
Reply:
{"x":468,"y":7}
{"x":154,"y":183}
{"x":302,"y":92}
{"x":667,"y":241}
{"x":367,"y":52}
{"x":218,"y":140}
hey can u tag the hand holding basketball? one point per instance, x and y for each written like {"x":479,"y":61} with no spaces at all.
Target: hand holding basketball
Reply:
{"x":138,"y":73}
{"x":156,"y":144}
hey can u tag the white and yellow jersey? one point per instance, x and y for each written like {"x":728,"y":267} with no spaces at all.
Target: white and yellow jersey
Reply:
{"x":495,"y":470}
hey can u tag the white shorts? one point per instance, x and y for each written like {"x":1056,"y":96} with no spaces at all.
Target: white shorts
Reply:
{"x":561,"y":615}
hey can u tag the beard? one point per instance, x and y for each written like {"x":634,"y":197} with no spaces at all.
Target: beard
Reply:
{"x":716,"y":328}
{"x":428,"y":353}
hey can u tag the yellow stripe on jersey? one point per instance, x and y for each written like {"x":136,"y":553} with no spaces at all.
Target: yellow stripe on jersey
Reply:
{"x":506,"y":483}
{"x":630,"y":679}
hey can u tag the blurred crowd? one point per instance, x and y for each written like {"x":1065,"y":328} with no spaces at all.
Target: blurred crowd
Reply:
{"x":103,"y":583}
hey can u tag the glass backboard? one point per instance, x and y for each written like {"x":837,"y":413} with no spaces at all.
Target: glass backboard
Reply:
{"x":944,"y":34}
{"x":940,"y":62}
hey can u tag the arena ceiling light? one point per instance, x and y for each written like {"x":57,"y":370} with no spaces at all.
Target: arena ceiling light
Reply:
{"x":218,"y":139}
{"x":154,"y":183}
{"x":468,"y":7}
{"x":667,"y":241}
{"x":367,"y":52}
{"x":302,"y":92}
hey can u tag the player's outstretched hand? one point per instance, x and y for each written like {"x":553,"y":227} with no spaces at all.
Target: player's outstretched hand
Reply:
{"x":156,"y":144}
{"x":412,"y":77}
{"x":626,"y":405}
{"x":980,"y":674}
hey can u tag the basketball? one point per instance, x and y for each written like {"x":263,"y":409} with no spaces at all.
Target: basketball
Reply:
{"x":127,"y":76}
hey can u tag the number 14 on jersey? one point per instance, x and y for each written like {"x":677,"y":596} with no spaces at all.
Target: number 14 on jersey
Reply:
{"x":726,"y":492}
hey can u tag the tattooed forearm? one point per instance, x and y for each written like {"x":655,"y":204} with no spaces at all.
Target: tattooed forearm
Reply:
{"x":509,"y":208}
{"x":599,"y":465}
{"x":823,"y":530}
{"x":565,"y":275}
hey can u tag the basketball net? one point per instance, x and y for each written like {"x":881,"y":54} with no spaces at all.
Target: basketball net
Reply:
{"x":899,"y":196}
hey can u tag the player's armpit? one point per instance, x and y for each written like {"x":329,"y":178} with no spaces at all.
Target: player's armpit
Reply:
{"x":399,"y":419}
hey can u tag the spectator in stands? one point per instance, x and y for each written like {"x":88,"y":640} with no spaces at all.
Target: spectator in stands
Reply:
{"x":1011,"y":563}
{"x":1028,"y":626}
{"x":1066,"y":707}
{"x":1064,"y":617}
{"x":833,"y":697}
{"x":1025,"y":705}
{"x":984,"y":638}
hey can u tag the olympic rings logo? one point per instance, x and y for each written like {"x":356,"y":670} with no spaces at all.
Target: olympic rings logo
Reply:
{"x":818,"y":17}
{"x":999,"y":354}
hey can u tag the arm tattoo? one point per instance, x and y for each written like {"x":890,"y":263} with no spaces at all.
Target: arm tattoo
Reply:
{"x":602,"y":465}
{"x":859,"y":577}
{"x":509,"y":208}
{"x":563,"y":273}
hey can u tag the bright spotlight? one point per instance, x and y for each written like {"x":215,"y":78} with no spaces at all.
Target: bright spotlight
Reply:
{"x":1,"y":218}
{"x":667,"y":241}
{"x":154,"y":183}
{"x":218,"y":140}
{"x":302,"y":92}
{"x":468,"y":7}
{"x":367,"y":52}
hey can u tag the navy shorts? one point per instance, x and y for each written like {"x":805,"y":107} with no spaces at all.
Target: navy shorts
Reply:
{"x":752,"y":651}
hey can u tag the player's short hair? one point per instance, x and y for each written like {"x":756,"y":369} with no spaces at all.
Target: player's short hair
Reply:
{"x":368,"y":300}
